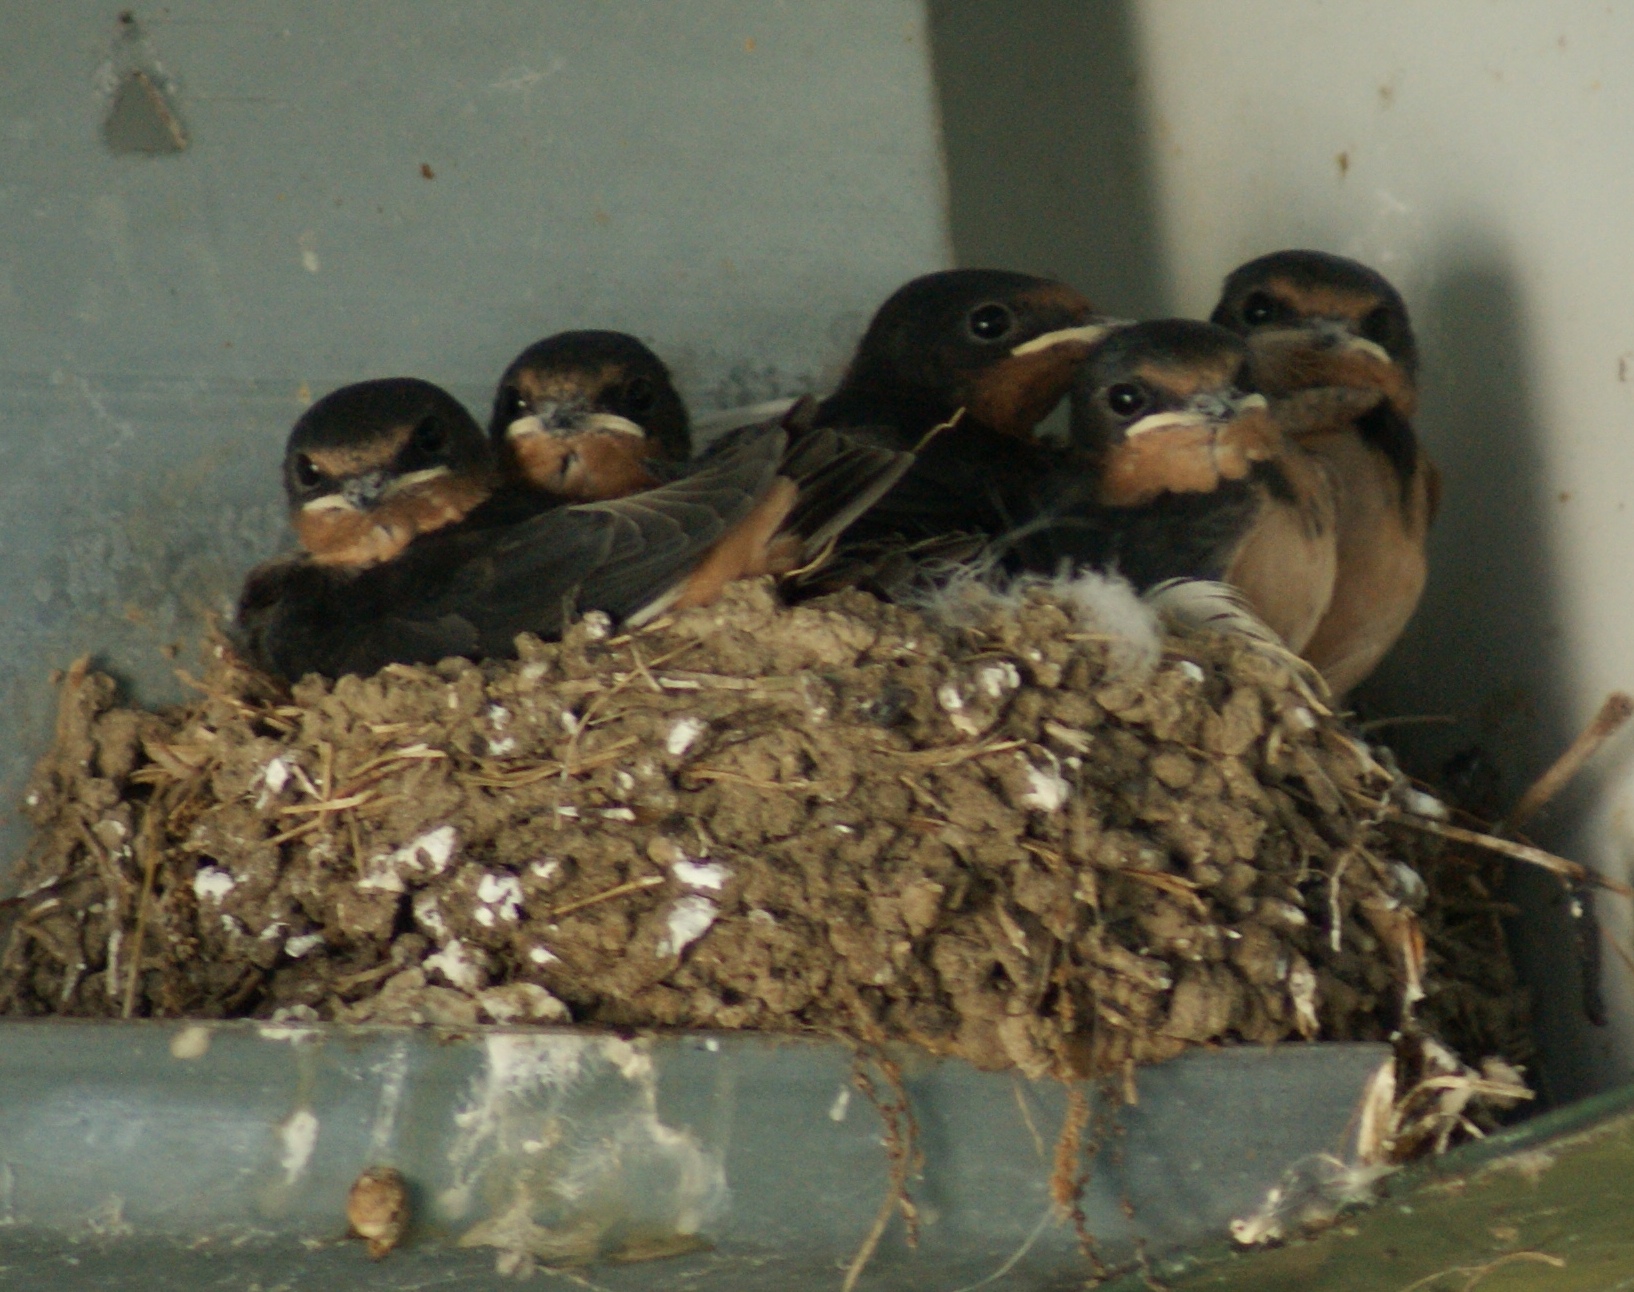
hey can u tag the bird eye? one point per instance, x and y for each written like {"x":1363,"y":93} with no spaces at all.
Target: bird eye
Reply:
{"x":640,"y":394}
{"x":513,"y":404}
{"x":1376,"y":326}
{"x":990,"y":322}
{"x":307,"y":474}
{"x":1260,"y":308}
{"x":1125,"y":399}
{"x":429,"y":437}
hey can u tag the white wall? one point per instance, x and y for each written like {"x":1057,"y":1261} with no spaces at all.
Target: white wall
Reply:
{"x":1478,"y":153}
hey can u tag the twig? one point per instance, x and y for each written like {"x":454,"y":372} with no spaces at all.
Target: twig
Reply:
{"x":1473,"y":1274}
{"x":681,"y":679}
{"x":646,"y":881}
{"x":1027,"y":1116}
{"x":951,"y":755}
{"x":544,"y":771}
{"x":570,"y":764}
{"x":305,"y":828}
{"x":1050,"y":856}
{"x":254,"y":712}
{"x":938,"y":429}
{"x":1016,"y":1256}
{"x":716,"y":774}
{"x":1570,"y":870}
{"x":1628,"y":960}
{"x":408,"y":753}
{"x":641,"y":667}
{"x":1065,"y":1180}
{"x":870,"y":1242}
{"x":1407,"y":720}
{"x":366,"y":975}
{"x":327,"y":805}
{"x":902,"y":1152}
{"x":150,"y":865}
{"x":1616,"y":711}
{"x":1174,"y":885}
{"x":1335,"y":910}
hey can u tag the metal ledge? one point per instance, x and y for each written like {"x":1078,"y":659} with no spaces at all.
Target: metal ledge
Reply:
{"x":224,"y":1152}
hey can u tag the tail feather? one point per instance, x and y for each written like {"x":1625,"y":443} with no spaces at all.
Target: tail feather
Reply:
{"x":839,"y":478}
{"x":1210,"y":606}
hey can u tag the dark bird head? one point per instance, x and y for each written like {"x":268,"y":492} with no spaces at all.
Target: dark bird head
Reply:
{"x":1169,"y":406}
{"x":371,"y":466}
{"x":1314,"y":319}
{"x":1000,"y":345}
{"x":602,"y":384}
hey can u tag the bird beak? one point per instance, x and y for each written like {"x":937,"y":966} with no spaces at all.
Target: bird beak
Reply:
{"x":567,"y":418}
{"x":1361,"y":345}
{"x":1323,"y":334}
{"x":525,"y":426}
{"x":359,"y":493}
{"x":1206,"y":408}
{"x":549,"y":417}
{"x":1087,"y":334}
{"x":397,"y":484}
{"x":1336,"y":334}
{"x":365,"y":490}
{"x":329,"y":502}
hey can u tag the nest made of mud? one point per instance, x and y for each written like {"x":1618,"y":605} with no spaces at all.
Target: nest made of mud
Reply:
{"x":1016,"y":842}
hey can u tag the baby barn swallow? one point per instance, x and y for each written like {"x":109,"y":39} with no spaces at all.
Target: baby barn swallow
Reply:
{"x":356,"y":500}
{"x":1320,"y":327}
{"x":1183,"y":472}
{"x":995,"y":349}
{"x":581,"y":415}
{"x":432,"y":556}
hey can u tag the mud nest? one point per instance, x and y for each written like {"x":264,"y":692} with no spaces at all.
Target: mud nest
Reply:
{"x":1019,"y":840}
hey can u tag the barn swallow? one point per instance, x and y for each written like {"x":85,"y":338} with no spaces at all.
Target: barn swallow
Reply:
{"x":1333,"y":337}
{"x":359,"y":499}
{"x":973,"y":359}
{"x":1180,"y":470}
{"x":415,"y":549}
{"x":582,"y":415}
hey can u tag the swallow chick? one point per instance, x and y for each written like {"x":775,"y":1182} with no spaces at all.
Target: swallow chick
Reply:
{"x":356,"y":500}
{"x":961,"y":366}
{"x":1333,"y":339}
{"x":1181,"y":471}
{"x":583,"y":415}
{"x":436,"y":555}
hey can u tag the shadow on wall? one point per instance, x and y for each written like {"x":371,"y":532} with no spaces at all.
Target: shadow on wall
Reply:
{"x":1048,"y":161}
{"x":1486,"y":644}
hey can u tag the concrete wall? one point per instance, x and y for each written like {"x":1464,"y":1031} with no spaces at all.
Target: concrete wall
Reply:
{"x":396,"y":187}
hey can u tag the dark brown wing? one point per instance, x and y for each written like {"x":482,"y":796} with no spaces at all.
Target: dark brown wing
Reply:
{"x":469,"y":590}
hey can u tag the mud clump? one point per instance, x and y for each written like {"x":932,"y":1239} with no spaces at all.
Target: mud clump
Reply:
{"x":1007,"y":841}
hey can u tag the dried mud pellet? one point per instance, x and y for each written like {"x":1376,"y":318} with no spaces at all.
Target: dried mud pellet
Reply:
{"x":377,"y":1209}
